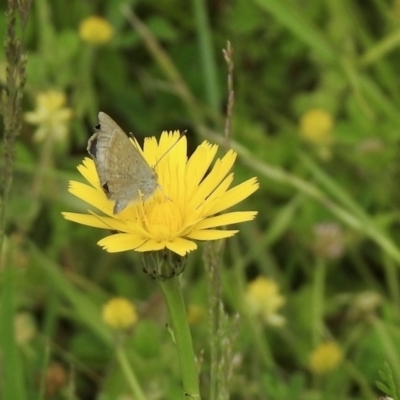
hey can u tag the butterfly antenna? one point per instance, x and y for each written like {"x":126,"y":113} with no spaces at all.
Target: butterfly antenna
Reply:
{"x":103,"y":222}
{"x":173,"y":145}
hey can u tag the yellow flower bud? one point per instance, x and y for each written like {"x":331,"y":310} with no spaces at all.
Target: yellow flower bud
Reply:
{"x":316,"y":126}
{"x":325,"y":358}
{"x":119,"y":313}
{"x":95,"y":30}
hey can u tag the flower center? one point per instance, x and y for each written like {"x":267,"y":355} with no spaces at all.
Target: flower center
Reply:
{"x":164,"y":218}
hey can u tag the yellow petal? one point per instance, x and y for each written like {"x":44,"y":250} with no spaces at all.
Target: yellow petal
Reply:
{"x":235,"y":195}
{"x":91,"y":196}
{"x":181,"y":246}
{"x":151,"y":245}
{"x":226,"y":219}
{"x":88,"y":171}
{"x":197,"y":166}
{"x":93,"y":220}
{"x":215,"y":197}
{"x":121,"y":242}
{"x":211,"y":234}
{"x":214,"y":178}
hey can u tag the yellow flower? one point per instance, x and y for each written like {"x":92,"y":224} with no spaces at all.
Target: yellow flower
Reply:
{"x":50,"y":115}
{"x":263,"y":300}
{"x":183,"y":211}
{"x":95,"y":30}
{"x":325,"y":358}
{"x":119,"y":313}
{"x":316,"y":126}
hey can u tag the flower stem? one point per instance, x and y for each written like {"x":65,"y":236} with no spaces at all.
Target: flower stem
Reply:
{"x":172,"y":292}
{"x":129,"y":373}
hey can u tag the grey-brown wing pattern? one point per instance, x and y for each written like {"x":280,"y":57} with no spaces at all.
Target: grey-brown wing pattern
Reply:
{"x":123,"y":172}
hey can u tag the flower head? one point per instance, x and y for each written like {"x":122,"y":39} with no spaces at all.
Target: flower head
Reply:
{"x":263,"y":300}
{"x":95,"y":30}
{"x":186,"y":206}
{"x":50,"y":115}
{"x":119,"y":313}
{"x":325,"y":358}
{"x":316,"y":126}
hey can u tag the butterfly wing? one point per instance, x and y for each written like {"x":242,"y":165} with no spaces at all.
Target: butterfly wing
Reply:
{"x":123,"y":172}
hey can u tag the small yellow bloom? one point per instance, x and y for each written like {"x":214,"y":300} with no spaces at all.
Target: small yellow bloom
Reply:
{"x":316,"y":127}
{"x":189,"y":207}
{"x":95,"y":30}
{"x":325,"y":358}
{"x":263,"y":300}
{"x":119,"y":313}
{"x":50,"y":115}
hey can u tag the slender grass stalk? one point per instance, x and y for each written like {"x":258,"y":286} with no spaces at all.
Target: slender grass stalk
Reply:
{"x":46,"y":33}
{"x":228,"y":55}
{"x":165,"y":63}
{"x":129,"y":373}
{"x":207,"y":59}
{"x":296,"y":21}
{"x":85,"y":99}
{"x":385,"y":46}
{"x":361,"y":381}
{"x":83,"y":306}
{"x":361,"y":223}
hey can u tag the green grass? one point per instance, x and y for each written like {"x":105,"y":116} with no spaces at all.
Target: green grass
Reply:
{"x":164,"y":69}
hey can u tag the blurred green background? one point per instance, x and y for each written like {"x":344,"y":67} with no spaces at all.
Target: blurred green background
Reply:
{"x":315,"y":117}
